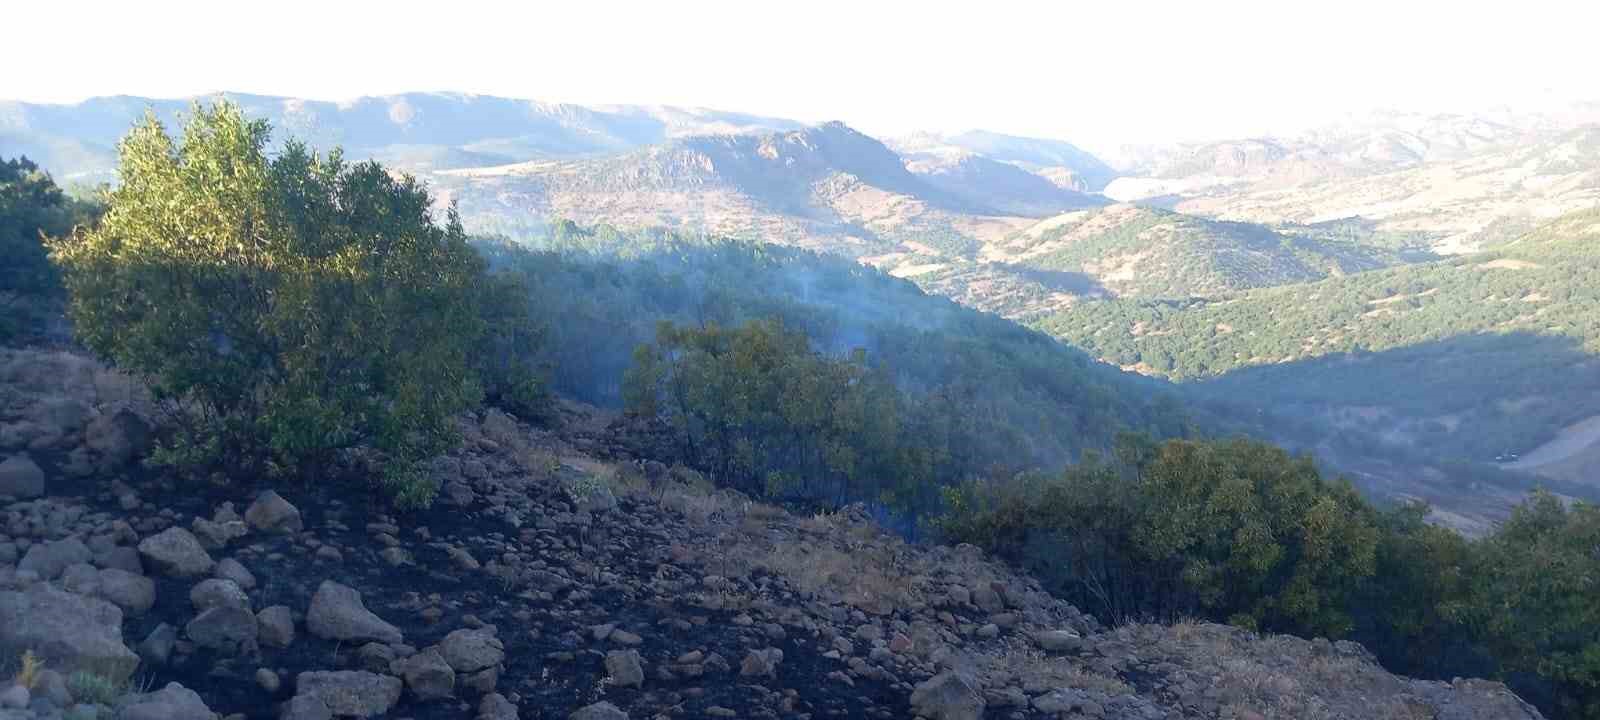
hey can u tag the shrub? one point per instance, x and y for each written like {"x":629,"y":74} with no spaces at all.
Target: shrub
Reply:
{"x":293,"y":306}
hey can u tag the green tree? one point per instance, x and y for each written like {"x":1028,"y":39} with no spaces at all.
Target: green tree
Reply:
{"x":31,"y":208}
{"x":298,"y":305}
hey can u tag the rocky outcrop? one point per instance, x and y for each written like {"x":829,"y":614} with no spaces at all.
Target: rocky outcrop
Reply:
{"x":69,"y":632}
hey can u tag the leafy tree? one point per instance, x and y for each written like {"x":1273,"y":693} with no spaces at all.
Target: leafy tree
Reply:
{"x":298,"y":305}
{"x":31,"y":208}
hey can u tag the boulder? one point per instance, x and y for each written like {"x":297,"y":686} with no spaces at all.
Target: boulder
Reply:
{"x":69,"y":632}
{"x":231,"y":569}
{"x":1058,"y":640}
{"x":305,"y":707}
{"x":275,"y":626}
{"x":350,"y":692}
{"x":156,"y":648}
{"x":271,"y":513}
{"x":173,"y":702}
{"x":176,"y":552}
{"x":472,"y":650}
{"x":599,"y":711}
{"x":216,"y":535}
{"x":135,"y":594}
{"x":50,"y":559}
{"x":624,"y":668}
{"x":337,"y":613}
{"x":427,"y":674}
{"x":948,"y":696}
{"x":496,"y":707}
{"x":118,"y":437}
{"x":215,"y":592}
{"x":761,"y":663}
{"x":224,"y":627}
{"x":20,"y":477}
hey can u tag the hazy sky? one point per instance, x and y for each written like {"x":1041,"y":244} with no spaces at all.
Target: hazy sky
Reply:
{"x":1097,"y":73}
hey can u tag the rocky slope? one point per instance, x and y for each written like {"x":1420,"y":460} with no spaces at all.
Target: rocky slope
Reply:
{"x":559,"y":577}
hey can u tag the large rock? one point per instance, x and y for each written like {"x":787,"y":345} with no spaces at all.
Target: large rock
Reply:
{"x":336,"y":613}
{"x":305,"y":707}
{"x":118,"y":437}
{"x":275,"y":626}
{"x":761,"y":663}
{"x":20,"y":477}
{"x":214,"y":592}
{"x":135,"y":594}
{"x":948,"y":696}
{"x":271,"y":513}
{"x":350,"y":692}
{"x":176,"y":552}
{"x":427,"y":674}
{"x":472,"y":650}
{"x":69,"y":632}
{"x":624,"y":668}
{"x":599,"y":711}
{"x":224,"y":627}
{"x":52,"y":558}
{"x":1058,"y":640}
{"x":173,"y":702}
{"x":216,"y":535}
{"x":495,"y":706}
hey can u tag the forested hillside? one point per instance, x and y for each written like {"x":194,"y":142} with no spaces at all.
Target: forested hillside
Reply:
{"x":1467,"y":358}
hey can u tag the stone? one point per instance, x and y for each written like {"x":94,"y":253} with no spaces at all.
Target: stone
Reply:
{"x":305,"y":707}
{"x":337,"y":613}
{"x":427,"y":675}
{"x":482,"y":681}
{"x":598,"y":711}
{"x":761,"y":663}
{"x":20,"y":477}
{"x":156,"y":648}
{"x":50,"y":559}
{"x":495,"y":706}
{"x":224,"y":627}
{"x":15,"y":697}
{"x":135,"y":594}
{"x":216,"y":592}
{"x":176,"y":552}
{"x":1058,"y":640}
{"x":624,"y":668}
{"x":948,"y":696}
{"x":987,"y":599}
{"x":472,"y":650}
{"x":68,"y":632}
{"x":268,"y":680}
{"x":231,"y":569}
{"x":275,"y":626}
{"x":625,"y":638}
{"x":118,"y":437}
{"x":173,"y":702}
{"x":376,"y":657}
{"x":350,"y":692}
{"x":271,"y":513}
{"x":216,"y":535}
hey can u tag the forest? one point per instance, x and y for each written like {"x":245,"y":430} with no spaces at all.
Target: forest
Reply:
{"x":316,"y":319}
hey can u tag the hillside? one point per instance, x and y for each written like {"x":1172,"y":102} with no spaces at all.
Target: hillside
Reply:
{"x":1470,"y":357}
{"x":1063,"y":164}
{"x":561,"y":578}
{"x":1463,"y":183}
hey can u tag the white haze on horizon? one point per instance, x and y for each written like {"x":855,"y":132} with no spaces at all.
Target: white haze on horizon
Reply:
{"x":1099,"y":75}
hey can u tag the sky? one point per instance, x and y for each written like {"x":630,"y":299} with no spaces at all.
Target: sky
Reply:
{"x":1099,"y":74}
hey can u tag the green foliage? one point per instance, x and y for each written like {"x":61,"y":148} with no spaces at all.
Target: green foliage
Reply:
{"x":32,"y":207}
{"x":1498,"y":342}
{"x":1233,"y":530}
{"x":762,"y":412}
{"x":297,"y":304}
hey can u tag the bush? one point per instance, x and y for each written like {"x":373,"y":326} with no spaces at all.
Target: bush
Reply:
{"x":31,"y":207}
{"x":293,"y":306}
